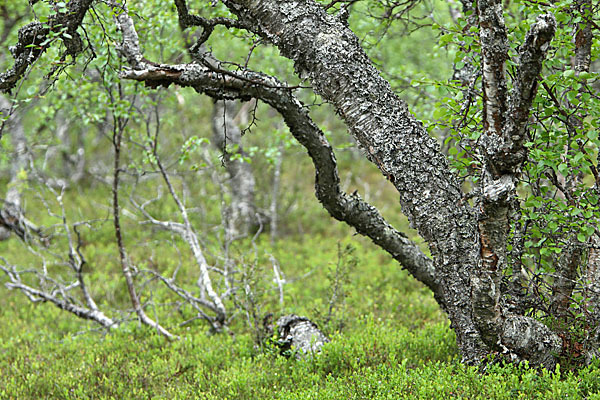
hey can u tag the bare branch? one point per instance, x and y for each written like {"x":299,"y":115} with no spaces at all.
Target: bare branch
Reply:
{"x":125,"y":263}
{"x":52,"y":293}
{"x":208,"y":25}
{"x":37,"y":295}
{"x":189,"y":235}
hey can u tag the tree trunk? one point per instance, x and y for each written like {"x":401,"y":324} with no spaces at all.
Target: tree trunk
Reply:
{"x":227,"y":137}
{"x":326,"y":51}
{"x":468,"y":243}
{"x":330,"y":55}
{"x":11,"y":214}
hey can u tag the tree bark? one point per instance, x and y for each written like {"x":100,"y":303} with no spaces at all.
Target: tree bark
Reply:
{"x":32,"y":40}
{"x":468,"y":244}
{"x":329,"y":54}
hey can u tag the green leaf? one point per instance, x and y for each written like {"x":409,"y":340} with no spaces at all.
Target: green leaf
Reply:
{"x":439,"y":113}
{"x":563,"y":168}
{"x":445,"y":39}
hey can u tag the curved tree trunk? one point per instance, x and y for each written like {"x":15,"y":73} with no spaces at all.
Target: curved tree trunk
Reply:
{"x":466,"y":252}
{"x":327,"y":52}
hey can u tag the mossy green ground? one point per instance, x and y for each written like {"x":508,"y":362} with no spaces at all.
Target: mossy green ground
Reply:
{"x":374,"y":359}
{"x":389,"y":339}
{"x":395,"y":343}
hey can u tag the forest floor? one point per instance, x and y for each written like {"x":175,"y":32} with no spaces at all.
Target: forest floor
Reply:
{"x":389,"y":339}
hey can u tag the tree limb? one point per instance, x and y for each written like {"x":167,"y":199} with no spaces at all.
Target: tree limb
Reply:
{"x":531,"y":57}
{"x":350,"y":209}
{"x":32,"y":40}
{"x":208,"y":25}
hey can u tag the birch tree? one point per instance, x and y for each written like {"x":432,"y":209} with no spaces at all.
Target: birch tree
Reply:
{"x":478,"y":221}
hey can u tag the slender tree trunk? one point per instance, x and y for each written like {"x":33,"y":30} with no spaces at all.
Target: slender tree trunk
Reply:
{"x":227,"y":137}
{"x":11,"y":214}
{"x":273,"y":208}
{"x":126,"y":266}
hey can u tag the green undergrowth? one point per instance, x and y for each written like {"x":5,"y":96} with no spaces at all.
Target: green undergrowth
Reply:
{"x":389,"y":339}
{"x":373,"y":360}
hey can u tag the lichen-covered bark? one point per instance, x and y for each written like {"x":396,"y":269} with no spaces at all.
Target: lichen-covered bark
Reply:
{"x":503,"y":146}
{"x":532,"y":53}
{"x":494,"y":53}
{"x":528,"y":339}
{"x":493,"y":229}
{"x":300,"y":334}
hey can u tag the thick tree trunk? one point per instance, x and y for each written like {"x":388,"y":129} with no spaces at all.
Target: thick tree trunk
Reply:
{"x":329,"y":54}
{"x":326,"y":51}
